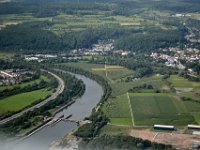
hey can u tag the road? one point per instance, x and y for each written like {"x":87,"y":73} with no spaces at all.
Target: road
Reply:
{"x":59,"y":90}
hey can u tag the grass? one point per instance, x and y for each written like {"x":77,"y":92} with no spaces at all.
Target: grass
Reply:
{"x":114,"y":72}
{"x":94,"y":19}
{"x":178,"y":81}
{"x":117,"y":109}
{"x":115,"y":130}
{"x":191,"y":95}
{"x":20,"y":101}
{"x":22,"y":85}
{"x":192,"y":106}
{"x":148,"y":107}
{"x":153,"y":108}
{"x":121,"y":121}
{"x":120,"y":88}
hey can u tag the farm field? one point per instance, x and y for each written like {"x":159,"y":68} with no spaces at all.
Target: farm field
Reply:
{"x":148,"y":106}
{"x":154,"y":108}
{"x":114,"y":73}
{"x":20,"y":101}
{"x":67,"y":23}
{"x":117,"y":109}
{"x":123,"y":87}
{"x":181,"y":82}
{"x":115,"y":130}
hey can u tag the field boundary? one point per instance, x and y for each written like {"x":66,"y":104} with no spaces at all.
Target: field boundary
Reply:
{"x":131,"y":110}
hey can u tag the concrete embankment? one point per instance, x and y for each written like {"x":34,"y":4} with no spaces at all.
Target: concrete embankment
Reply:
{"x":63,"y":107}
{"x":37,"y":128}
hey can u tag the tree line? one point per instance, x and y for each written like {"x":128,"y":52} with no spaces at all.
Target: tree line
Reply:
{"x":150,"y":40}
{"x":32,"y":37}
{"x":107,"y":142}
{"x":73,"y":89}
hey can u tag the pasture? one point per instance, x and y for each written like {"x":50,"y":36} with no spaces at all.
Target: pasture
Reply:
{"x":117,"y":109}
{"x":114,"y":73}
{"x":20,"y":101}
{"x":154,"y":108}
{"x":178,"y":81}
{"x":120,"y":88}
{"x":148,"y":107}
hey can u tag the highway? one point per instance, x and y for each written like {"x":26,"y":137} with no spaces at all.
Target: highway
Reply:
{"x":59,"y":90}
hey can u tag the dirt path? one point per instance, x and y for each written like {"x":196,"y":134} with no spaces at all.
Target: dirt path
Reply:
{"x":182,"y":141}
{"x":131,"y":110}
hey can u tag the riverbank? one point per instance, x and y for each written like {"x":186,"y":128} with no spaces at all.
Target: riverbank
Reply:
{"x":82,"y":108}
{"x":59,"y":90}
{"x":71,"y":142}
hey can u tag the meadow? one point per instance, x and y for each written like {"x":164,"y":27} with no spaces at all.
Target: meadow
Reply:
{"x":114,"y":73}
{"x":178,"y":81}
{"x":20,"y":101}
{"x":148,"y":106}
{"x":159,"y":108}
{"x":117,"y":109}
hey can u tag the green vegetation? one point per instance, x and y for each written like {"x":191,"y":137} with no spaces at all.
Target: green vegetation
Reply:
{"x":117,"y":109}
{"x":154,"y":108}
{"x":107,"y":142}
{"x":20,"y":101}
{"x":178,"y":81}
{"x":136,"y":25}
{"x":23,"y":85}
{"x":114,"y":73}
{"x":115,"y":130}
{"x":74,"y":88}
{"x":4,"y":55}
{"x":150,"y":41}
{"x":149,"y":106}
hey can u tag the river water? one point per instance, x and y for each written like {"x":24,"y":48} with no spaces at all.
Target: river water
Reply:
{"x":45,"y":137}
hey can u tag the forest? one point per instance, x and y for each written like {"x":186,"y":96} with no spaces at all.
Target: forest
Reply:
{"x":150,"y":41}
{"x":48,"y":27}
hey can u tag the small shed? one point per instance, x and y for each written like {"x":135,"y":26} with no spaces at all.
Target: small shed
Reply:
{"x":163,"y":127}
{"x":196,"y":133}
{"x":197,"y":127}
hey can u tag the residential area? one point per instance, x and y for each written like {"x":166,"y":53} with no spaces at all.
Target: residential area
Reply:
{"x":15,"y":76}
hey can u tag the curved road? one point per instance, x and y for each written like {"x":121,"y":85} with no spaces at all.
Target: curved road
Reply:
{"x":59,"y":90}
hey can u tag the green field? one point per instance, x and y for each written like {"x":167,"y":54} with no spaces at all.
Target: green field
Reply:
{"x":120,"y":88}
{"x":114,"y":73}
{"x":153,"y":108}
{"x":148,"y":107}
{"x":117,"y":109}
{"x":178,"y":81}
{"x":20,"y":101}
{"x":115,"y":130}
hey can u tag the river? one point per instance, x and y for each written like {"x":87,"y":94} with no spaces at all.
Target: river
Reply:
{"x":45,"y":137}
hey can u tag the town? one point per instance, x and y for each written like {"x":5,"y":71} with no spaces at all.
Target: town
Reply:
{"x":173,"y":57}
{"x":15,"y":76}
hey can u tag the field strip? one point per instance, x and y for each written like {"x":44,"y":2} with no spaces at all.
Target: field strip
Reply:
{"x":106,"y":72}
{"x":129,"y":101}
